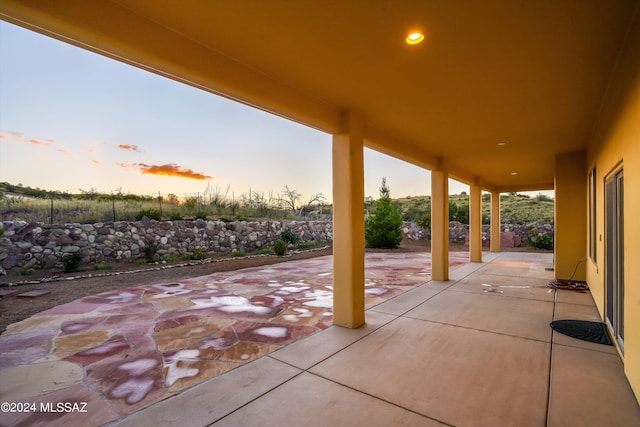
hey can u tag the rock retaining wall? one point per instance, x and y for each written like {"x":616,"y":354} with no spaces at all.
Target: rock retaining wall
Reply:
{"x":42,"y":246}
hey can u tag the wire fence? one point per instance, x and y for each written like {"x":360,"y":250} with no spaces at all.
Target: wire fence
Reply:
{"x":168,"y":207}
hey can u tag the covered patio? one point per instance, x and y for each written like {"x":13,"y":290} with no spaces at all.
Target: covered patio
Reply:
{"x":474,"y":350}
{"x":502,"y":96}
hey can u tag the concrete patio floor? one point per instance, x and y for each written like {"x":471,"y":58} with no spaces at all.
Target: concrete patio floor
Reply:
{"x":475,"y":350}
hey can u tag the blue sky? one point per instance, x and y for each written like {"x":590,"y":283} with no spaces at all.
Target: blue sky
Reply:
{"x":71,"y":119}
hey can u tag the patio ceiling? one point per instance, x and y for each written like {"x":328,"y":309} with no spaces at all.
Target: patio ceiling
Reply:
{"x":531,"y":75}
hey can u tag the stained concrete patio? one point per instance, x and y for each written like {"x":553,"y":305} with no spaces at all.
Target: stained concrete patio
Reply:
{"x":475,"y":350}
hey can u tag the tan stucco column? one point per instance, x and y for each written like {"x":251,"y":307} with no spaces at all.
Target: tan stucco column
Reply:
{"x":348,"y":226}
{"x":475,"y":224}
{"x":439,"y":225}
{"x":570,"y":239}
{"x":495,"y":221}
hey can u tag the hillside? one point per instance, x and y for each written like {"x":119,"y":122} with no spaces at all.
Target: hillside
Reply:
{"x":514,"y":208}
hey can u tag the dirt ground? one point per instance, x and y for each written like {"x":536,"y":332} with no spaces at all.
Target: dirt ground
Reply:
{"x":14,"y":309}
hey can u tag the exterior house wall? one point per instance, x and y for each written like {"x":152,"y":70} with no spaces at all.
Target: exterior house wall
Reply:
{"x":615,"y":143}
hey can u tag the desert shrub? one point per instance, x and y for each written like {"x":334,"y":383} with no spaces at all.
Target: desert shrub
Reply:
{"x":289,"y":236}
{"x":425,"y":220}
{"x":383,"y":226}
{"x":540,"y":241}
{"x":201,"y":215}
{"x":187,"y":256}
{"x":71,"y":262}
{"x":280,"y":248}
{"x":26,"y":271}
{"x":263,"y":251}
{"x":150,"y":250}
{"x":199,"y":253}
{"x":101,"y":266}
{"x":167,"y":258}
{"x":175,"y":216}
{"x":149,"y":213}
{"x":238,"y":253}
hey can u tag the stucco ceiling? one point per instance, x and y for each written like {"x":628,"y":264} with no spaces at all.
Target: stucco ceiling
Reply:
{"x":529,"y":74}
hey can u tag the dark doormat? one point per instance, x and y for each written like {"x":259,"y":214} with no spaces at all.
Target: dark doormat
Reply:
{"x":583,"y":330}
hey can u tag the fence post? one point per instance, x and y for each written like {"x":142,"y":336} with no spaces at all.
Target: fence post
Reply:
{"x":51,"y":213}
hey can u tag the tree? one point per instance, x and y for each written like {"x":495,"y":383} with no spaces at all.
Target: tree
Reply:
{"x":383,"y":226}
{"x":290,"y":199}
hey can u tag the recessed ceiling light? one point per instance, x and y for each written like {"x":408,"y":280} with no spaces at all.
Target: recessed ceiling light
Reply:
{"x":414,"y":37}
{"x":502,"y":143}
{"x":514,"y":173}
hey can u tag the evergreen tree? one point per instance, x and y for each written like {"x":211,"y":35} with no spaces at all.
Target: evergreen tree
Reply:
{"x":383,"y":226}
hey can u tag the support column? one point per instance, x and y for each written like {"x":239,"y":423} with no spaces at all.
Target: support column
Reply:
{"x":348,"y":226}
{"x":495,"y":222}
{"x":439,"y":225}
{"x":475,"y":224}
{"x":570,"y":224}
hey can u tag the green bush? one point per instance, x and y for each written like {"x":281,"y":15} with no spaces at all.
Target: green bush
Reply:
{"x":26,"y":272}
{"x":383,"y":226}
{"x":541,"y":241}
{"x":101,"y":266}
{"x":280,"y":248}
{"x":199,"y":253}
{"x":263,"y":251}
{"x":425,"y":221}
{"x":187,"y":256}
{"x":175,"y":216}
{"x":238,"y":253}
{"x":149,"y":213}
{"x":71,"y":261}
{"x":289,"y":236}
{"x":167,"y":258}
{"x":201,"y":215}
{"x":150,"y":250}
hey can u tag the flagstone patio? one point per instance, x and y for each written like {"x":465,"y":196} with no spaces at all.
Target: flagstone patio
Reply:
{"x":124,"y":350}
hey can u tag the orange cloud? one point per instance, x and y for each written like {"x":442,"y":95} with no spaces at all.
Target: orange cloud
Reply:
{"x":169,"y":169}
{"x":38,"y":142}
{"x":129,"y":147}
{"x":92,"y":144}
{"x":96,"y":162}
{"x":65,"y":152}
{"x":18,"y":137}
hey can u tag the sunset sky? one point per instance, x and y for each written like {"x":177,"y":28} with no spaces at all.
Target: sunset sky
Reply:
{"x":72,"y":120}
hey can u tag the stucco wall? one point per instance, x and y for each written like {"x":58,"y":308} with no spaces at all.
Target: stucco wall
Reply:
{"x":616,"y":144}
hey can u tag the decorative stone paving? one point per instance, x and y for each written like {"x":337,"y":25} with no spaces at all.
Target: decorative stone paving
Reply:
{"x":123,"y":350}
